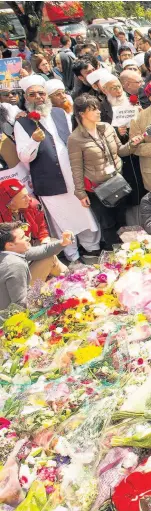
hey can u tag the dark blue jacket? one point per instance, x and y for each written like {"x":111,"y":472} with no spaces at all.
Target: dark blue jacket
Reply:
{"x":46,"y":174}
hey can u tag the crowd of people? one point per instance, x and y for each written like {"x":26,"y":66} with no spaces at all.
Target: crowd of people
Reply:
{"x":88,"y":176}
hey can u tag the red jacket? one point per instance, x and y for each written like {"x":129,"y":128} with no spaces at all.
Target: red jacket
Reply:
{"x":35,"y":219}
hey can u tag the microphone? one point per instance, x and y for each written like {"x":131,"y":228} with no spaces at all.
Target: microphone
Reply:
{"x":148,"y":131}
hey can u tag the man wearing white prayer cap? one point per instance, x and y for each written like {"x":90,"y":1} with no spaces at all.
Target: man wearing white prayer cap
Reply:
{"x":130,"y":64}
{"x":56,"y":92}
{"x":114,"y":96}
{"x":43,"y":144}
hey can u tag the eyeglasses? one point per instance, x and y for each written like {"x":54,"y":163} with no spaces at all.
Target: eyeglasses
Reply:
{"x":116,"y":87}
{"x":34,"y":94}
{"x":9,"y":93}
{"x":127,"y":55}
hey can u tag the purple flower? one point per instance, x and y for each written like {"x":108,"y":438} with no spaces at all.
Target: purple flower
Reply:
{"x":61,"y":460}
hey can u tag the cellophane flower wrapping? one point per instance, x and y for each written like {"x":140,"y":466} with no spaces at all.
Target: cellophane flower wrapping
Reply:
{"x":75,"y":401}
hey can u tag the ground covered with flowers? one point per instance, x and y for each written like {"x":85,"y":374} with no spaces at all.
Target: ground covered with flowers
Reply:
{"x":75,"y":389}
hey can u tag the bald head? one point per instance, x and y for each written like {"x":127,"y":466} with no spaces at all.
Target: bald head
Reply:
{"x":131,"y":81}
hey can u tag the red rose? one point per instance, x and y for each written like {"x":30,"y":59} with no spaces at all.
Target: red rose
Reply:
{"x":4,"y":423}
{"x":52,"y":327}
{"x":140,"y":361}
{"x":34,"y":116}
{"x":133,"y":99}
{"x":22,"y":55}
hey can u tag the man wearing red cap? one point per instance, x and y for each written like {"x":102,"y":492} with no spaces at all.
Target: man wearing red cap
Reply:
{"x":17,"y":205}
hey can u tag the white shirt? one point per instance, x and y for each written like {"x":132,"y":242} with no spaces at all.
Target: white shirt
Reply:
{"x":65,"y":209}
{"x":12,"y":110}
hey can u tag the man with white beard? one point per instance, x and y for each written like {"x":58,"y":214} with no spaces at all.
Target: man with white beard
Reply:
{"x":116,"y":96}
{"x":44,"y":147}
{"x":104,"y":82}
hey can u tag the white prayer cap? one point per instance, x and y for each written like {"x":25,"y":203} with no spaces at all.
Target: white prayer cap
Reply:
{"x":108,"y":77}
{"x":139,"y":59}
{"x":128,"y":62}
{"x":54,"y":85}
{"x":101,"y":75}
{"x":31,"y":80}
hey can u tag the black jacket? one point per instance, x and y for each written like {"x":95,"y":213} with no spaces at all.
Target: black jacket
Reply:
{"x":143,"y":99}
{"x":131,"y":168}
{"x":145,"y":212}
{"x":113,"y":48}
{"x":106,"y":111}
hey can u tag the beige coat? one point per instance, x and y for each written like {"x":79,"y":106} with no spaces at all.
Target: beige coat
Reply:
{"x":138,"y":127}
{"x":87,"y":159}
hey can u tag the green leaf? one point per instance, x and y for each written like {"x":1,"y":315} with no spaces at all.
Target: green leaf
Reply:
{"x":14,"y":366}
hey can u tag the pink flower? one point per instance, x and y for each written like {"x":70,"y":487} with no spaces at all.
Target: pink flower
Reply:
{"x":49,"y":489}
{"x":4,"y":423}
{"x":59,"y":292}
{"x":23,"y":480}
{"x":46,"y":473}
{"x":11,"y":434}
{"x":102,"y":277}
{"x":85,"y":382}
{"x":89,"y":391}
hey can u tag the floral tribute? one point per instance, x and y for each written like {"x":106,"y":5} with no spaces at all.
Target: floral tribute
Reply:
{"x":75,"y":389}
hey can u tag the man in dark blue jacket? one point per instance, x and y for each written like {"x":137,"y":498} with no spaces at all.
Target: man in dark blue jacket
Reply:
{"x":41,"y":141}
{"x":114,"y":45}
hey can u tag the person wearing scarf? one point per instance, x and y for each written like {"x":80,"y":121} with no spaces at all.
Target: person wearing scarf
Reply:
{"x":17,"y":205}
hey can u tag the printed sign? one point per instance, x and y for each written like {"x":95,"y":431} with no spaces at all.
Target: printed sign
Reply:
{"x":122,"y":116}
{"x":10,"y":73}
{"x":20,"y":172}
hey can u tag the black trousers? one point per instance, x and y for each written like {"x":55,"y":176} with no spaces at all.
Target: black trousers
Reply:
{"x":110,"y":219}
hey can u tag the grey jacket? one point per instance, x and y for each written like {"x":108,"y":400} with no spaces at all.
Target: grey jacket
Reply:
{"x":15,"y":273}
{"x":145,"y":212}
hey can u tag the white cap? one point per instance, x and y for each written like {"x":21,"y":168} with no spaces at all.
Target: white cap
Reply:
{"x":101,"y":75}
{"x":128,"y":62}
{"x":31,"y":80}
{"x":54,"y":85}
{"x":108,"y":77}
{"x":139,"y":59}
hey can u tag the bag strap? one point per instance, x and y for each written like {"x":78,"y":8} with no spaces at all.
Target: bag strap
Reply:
{"x":104,"y":142}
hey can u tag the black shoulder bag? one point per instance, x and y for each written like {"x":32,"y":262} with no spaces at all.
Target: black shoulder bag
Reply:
{"x":115,"y":189}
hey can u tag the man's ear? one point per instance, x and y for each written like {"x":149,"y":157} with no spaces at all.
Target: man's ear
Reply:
{"x":104,"y":90}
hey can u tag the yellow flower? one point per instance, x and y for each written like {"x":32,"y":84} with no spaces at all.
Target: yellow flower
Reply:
{"x":70,"y":313}
{"x":109,"y":301}
{"x":134,"y":245}
{"x":89,"y":316}
{"x":135,"y":258}
{"x":141,"y":317}
{"x":19,"y":328}
{"x":87,"y":353}
{"x":146,"y":259}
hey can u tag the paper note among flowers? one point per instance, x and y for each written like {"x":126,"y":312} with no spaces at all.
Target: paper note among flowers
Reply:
{"x":10,"y":73}
{"x":122,"y":115}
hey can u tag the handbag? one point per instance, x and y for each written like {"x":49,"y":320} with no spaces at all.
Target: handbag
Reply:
{"x":114,"y":190}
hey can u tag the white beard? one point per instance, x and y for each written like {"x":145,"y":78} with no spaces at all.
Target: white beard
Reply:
{"x":44,"y":109}
{"x":122,"y":100}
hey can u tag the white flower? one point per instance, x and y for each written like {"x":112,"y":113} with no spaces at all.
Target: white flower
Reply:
{"x":58,"y":330}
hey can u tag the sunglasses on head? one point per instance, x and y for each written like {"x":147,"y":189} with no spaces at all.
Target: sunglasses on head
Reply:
{"x":34,"y":94}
